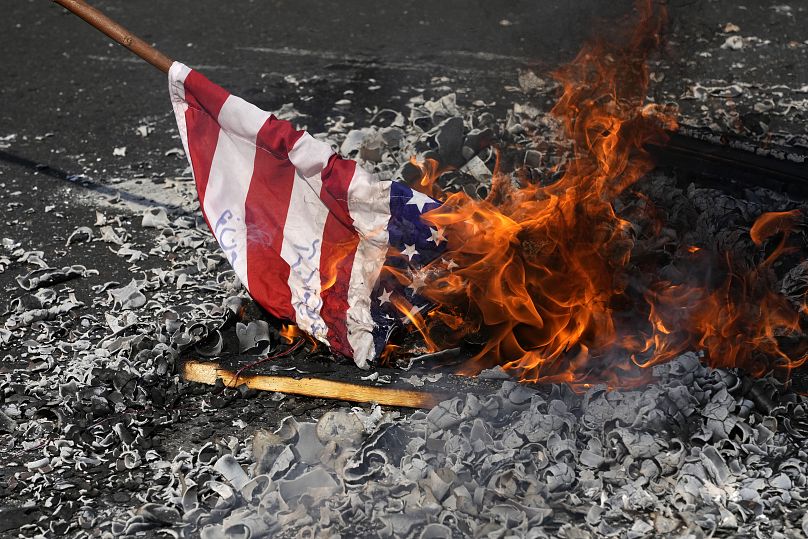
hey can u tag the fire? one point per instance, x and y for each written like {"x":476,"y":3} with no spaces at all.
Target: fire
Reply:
{"x":430,"y":172}
{"x":544,"y":271}
{"x":387,"y":354}
{"x":290,"y":333}
{"x":335,"y":261}
{"x":412,"y":315}
{"x":743,"y":322}
{"x":771,"y":223}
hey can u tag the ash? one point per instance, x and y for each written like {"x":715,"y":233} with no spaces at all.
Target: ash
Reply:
{"x":702,"y":453}
{"x":105,"y":440}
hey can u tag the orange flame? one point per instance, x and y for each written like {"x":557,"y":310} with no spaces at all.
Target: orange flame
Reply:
{"x":430,"y":172}
{"x":290,"y":333}
{"x":769,"y":224}
{"x":412,"y":315}
{"x":335,"y":260}
{"x":543,"y":271}
{"x":385,"y":359}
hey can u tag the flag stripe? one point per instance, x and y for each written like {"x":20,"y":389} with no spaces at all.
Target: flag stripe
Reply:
{"x":231,"y":172}
{"x":339,"y":247}
{"x":303,"y":238}
{"x":309,"y":155}
{"x":302,"y":242}
{"x":266,"y":210}
{"x":205,"y":102}
{"x":278,"y":137}
{"x":176,"y":90}
{"x":369,"y":206}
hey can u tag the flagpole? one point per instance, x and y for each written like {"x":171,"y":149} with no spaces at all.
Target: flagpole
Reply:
{"x":117,"y":33}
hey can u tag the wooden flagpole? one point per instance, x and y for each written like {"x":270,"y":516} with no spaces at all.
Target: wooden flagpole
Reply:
{"x":207,"y":372}
{"x":117,"y":33}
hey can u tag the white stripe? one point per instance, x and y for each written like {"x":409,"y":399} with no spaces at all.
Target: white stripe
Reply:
{"x":302,"y":243}
{"x":369,"y":206}
{"x":309,"y":155}
{"x":176,"y":89}
{"x":303,"y":236}
{"x":230,"y":174}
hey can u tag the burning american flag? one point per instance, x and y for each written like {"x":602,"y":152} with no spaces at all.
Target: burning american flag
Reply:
{"x":306,"y":231}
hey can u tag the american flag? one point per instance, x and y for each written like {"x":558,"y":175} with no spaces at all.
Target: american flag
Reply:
{"x":307,"y":232}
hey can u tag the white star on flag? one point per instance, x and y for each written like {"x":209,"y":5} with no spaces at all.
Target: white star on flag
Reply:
{"x":420,"y":200}
{"x":436,"y":235}
{"x":417,"y":281}
{"x":450,"y":263}
{"x":409,"y":251}
{"x":385,"y":297}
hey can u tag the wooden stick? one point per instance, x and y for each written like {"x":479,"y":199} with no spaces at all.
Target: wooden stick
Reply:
{"x":207,"y":372}
{"x":118,"y":33}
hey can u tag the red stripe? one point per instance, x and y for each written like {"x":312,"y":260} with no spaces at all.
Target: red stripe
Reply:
{"x":338,"y":251}
{"x":205,"y":99}
{"x":266,"y":208}
{"x":278,"y":137}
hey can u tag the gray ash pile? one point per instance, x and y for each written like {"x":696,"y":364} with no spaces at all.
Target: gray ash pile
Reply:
{"x":701,"y":453}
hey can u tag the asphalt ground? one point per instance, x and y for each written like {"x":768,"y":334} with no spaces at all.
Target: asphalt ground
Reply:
{"x":66,"y":82}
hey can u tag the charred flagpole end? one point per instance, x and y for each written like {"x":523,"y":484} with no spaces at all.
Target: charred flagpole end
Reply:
{"x":117,"y":33}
